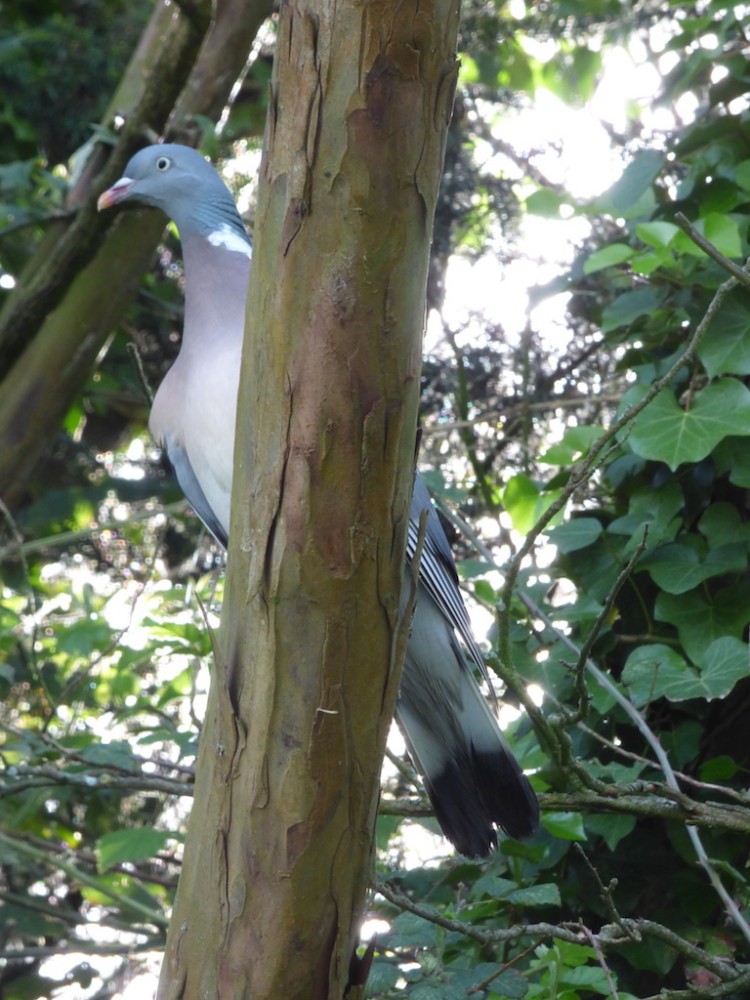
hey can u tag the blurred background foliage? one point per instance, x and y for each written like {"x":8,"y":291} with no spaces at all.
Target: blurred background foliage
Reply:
{"x":626,"y":611}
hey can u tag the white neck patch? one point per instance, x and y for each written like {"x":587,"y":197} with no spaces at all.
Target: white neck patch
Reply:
{"x":227,"y":238}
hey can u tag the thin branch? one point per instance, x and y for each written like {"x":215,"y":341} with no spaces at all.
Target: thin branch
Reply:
{"x":20,"y":777}
{"x":75,"y":873}
{"x":609,"y":936}
{"x":640,"y":798}
{"x":740,"y":273}
{"x":591,"y":938}
{"x":18,"y":547}
{"x":80,"y":948}
{"x":601,"y":619}
{"x":517,"y":409}
{"x":606,"y":892}
{"x":481,"y":987}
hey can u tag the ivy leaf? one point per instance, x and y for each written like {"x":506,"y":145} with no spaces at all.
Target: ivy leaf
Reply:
{"x":732,"y":457}
{"x":525,"y":502}
{"x":546,"y":894}
{"x":131,"y":844}
{"x":719,"y":229}
{"x":664,"y":431}
{"x":726,"y":347}
{"x":650,"y":670}
{"x":609,"y":256}
{"x":565,"y":825}
{"x":702,"y":620}
{"x":659,"y":672}
{"x":656,"y":234}
{"x":632,"y":192}
{"x":629,"y":307}
{"x":575,"y":534}
{"x":574,"y":444}
{"x":721,"y":525}
{"x":612,"y":829}
{"x":681,"y":566}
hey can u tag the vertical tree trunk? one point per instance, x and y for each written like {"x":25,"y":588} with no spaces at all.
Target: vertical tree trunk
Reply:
{"x":280,"y":840}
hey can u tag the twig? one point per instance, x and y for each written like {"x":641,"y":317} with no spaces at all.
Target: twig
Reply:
{"x":79,"y":948}
{"x":605,"y":891}
{"x":601,"y":619}
{"x":601,"y":960}
{"x":18,"y":547}
{"x":517,"y":409}
{"x":138,"y":362}
{"x":480,"y":987}
{"x":77,"y":875}
{"x":609,"y":936}
{"x":740,"y":273}
{"x":21,"y":777}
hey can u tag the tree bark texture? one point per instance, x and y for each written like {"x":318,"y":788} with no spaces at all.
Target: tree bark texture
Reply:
{"x":280,"y":839}
{"x":79,"y":283}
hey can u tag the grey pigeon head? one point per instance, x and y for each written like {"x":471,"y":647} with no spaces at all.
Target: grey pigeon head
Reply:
{"x":179,"y":181}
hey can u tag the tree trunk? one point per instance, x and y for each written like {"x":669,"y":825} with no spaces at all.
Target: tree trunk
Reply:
{"x":74,"y":291}
{"x":280,"y":840}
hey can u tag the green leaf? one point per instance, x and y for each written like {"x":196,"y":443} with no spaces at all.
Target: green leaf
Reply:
{"x":575,"y":534}
{"x":545,"y":203}
{"x":630,"y":196}
{"x":574,"y":444}
{"x":383,"y":977}
{"x":742,"y":174}
{"x":656,"y":234}
{"x":657,"y":671}
{"x":132,"y":844}
{"x":565,"y":825}
{"x":650,"y":670}
{"x":612,"y":829}
{"x":592,"y":977}
{"x":726,"y":346}
{"x":657,"y":510}
{"x":411,"y":931}
{"x":702,"y":619}
{"x":722,"y":768}
{"x":609,"y":256}
{"x":732,"y":456}
{"x":509,"y":985}
{"x":666,"y":432}
{"x":648,"y":261}
{"x":629,"y":307}
{"x":721,"y":525}
{"x":525,"y":502}
{"x":719,"y":229}
{"x":117,"y":754}
{"x":546,"y":894}
{"x":681,"y":566}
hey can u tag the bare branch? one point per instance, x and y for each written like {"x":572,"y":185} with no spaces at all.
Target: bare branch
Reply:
{"x":740,"y":273}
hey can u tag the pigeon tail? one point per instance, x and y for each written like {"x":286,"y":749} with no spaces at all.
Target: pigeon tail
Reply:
{"x":471,"y":776}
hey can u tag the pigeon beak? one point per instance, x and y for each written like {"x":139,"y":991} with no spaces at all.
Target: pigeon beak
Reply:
{"x":116,"y":193}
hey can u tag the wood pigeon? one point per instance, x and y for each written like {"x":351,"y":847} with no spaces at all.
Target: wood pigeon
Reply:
{"x":471,"y":776}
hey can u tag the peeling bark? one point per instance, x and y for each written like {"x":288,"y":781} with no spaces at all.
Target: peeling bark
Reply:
{"x":279,"y":846}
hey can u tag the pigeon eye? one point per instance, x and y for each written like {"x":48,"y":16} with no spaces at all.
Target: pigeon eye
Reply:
{"x":163,"y":163}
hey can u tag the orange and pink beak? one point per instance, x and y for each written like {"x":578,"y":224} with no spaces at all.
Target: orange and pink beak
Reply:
{"x":116,"y":193}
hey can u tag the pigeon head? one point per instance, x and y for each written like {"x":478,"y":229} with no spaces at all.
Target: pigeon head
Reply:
{"x":179,"y":181}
